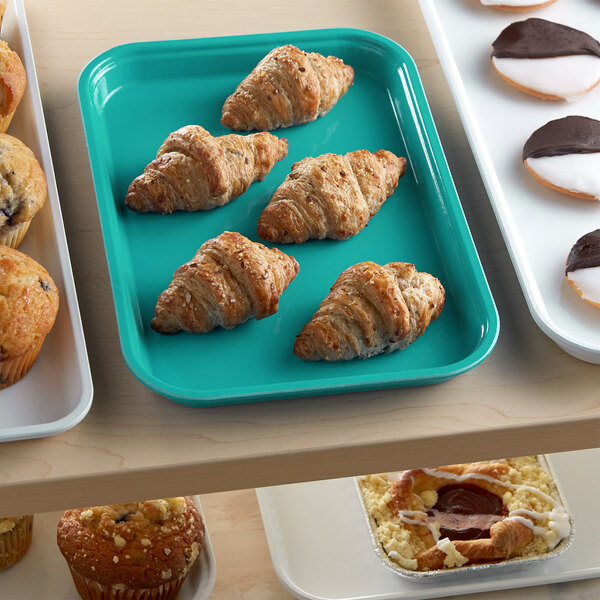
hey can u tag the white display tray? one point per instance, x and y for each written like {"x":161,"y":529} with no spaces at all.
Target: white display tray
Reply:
{"x":43,"y":568}
{"x":321,"y":546}
{"x":57,"y":393}
{"x":539,"y":225}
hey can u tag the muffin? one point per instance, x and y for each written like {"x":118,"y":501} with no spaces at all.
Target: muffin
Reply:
{"x":13,"y":80}
{"x":137,"y":551}
{"x":22,"y":189}
{"x":15,"y":538}
{"x":28,"y":307}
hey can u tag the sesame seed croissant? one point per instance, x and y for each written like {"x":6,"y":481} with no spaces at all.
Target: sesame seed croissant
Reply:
{"x":229,"y":280}
{"x":287,"y":87}
{"x":195,"y":171}
{"x":371,"y":309}
{"x":330,"y":196}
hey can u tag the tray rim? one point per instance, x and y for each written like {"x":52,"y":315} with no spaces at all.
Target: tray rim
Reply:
{"x":84,"y":403}
{"x":102,"y":62}
{"x":566,"y":341}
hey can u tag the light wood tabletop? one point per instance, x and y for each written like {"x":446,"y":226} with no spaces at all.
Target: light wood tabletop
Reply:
{"x":527,"y":397}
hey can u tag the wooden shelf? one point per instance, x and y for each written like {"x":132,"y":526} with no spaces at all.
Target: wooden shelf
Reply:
{"x":528,"y":397}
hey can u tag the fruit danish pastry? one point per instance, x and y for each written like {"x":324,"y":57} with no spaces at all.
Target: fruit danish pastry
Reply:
{"x":195,"y":171}
{"x":229,"y":280}
{"x":287,"y":87}
{"x":455,"y":515}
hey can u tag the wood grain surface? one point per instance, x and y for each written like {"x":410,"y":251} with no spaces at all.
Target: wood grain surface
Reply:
{"x":527,"y":397}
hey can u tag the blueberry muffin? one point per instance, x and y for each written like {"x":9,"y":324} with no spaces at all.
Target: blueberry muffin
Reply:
{"x":138,"y":551}
{"x":28,"y":307}
{"x":22,"y":189}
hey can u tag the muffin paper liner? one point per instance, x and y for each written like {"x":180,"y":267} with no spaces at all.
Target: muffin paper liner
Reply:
{"x":15,"y":237}
{"x":15,"y":369}
{"x":14,"y":544}
{"x":89,"y":589}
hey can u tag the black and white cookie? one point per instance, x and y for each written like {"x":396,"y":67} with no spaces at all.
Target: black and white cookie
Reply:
{"x":583,"y":267}
{"x":547,"y":60}
{"x":564,"y":154}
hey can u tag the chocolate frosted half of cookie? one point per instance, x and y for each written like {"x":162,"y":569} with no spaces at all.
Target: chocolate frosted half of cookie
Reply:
{"x":564,"y":155}
{"x":583,"y":267}
{"x":547,"y":60}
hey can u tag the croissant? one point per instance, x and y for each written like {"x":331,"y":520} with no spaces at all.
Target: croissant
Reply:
{"x":287,"y":87}
{"x":507,"y":537}
{"x":195,"y":171}
{"x":330,"y":196}
{"x":371,"y":309}
{"x":229,"y":280}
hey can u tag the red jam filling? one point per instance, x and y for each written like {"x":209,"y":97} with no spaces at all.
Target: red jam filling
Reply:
{"x":466,"y":512}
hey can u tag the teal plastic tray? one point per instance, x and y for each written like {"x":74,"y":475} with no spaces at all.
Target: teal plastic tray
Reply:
{"x":133,"y":96}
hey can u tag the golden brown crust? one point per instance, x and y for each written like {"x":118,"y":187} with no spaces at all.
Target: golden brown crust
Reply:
{"x":507,"y":537}
{"x":138,"y":545}
{"x":195,"y":171}
{"x":229,"y":280}
{"x":330,"y":196}
{"x":22,"y":184}
{"x":28,"y":303}
{"x":13,"y":80}
{"x":287,"y":87}
{"x":371,"y":309}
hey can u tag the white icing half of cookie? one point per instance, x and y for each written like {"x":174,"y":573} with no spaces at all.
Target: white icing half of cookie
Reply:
{"x":574,"y":172}
{"x":568,"y":77}
{"x":513,"y":2}
{"x":587,"y":282}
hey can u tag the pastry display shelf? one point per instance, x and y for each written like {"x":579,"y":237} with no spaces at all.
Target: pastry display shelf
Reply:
{"x":527,"y":397}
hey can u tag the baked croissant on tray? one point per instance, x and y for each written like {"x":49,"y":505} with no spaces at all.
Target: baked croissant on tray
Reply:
{"x":195,"y":171}
{"x":229,"y":280}
{"x":330,"y":196}
{"x":371,"y":309}
{"x":287,"y":87}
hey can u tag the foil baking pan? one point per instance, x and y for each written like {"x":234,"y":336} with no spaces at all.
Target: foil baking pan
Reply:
{"x":474,"y":568}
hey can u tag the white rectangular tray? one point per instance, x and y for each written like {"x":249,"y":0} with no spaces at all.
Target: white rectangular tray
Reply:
{"x":43,"y":568}
{"x":57,"y":393}
{"x":321,"y":546}
{"x":539,"y":225}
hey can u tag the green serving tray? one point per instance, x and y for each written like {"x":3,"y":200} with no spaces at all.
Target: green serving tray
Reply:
{"x":133,"y":96}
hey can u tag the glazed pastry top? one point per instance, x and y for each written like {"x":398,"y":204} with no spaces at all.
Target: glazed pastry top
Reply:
{"x":28,"y":303}
{"x":538,"y":38}
{"x":140,"y":544}
{"x":569,"y":135}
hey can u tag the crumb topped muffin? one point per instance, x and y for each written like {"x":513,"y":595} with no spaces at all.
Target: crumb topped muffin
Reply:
{"x":23,"y":189}
{"x":141,"y":549}
{"x":15,"y":539}
{"x":28,"y":307}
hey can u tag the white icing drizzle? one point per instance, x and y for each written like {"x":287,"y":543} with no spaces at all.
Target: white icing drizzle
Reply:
{"x":524,"y":521}
{"x":587,"y":282}
{"x":405,"y":517}
{"x":574,"y":172}
{"x":461,"y":478}
{"x":568,"y":77}
{"x":453,"y":557}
